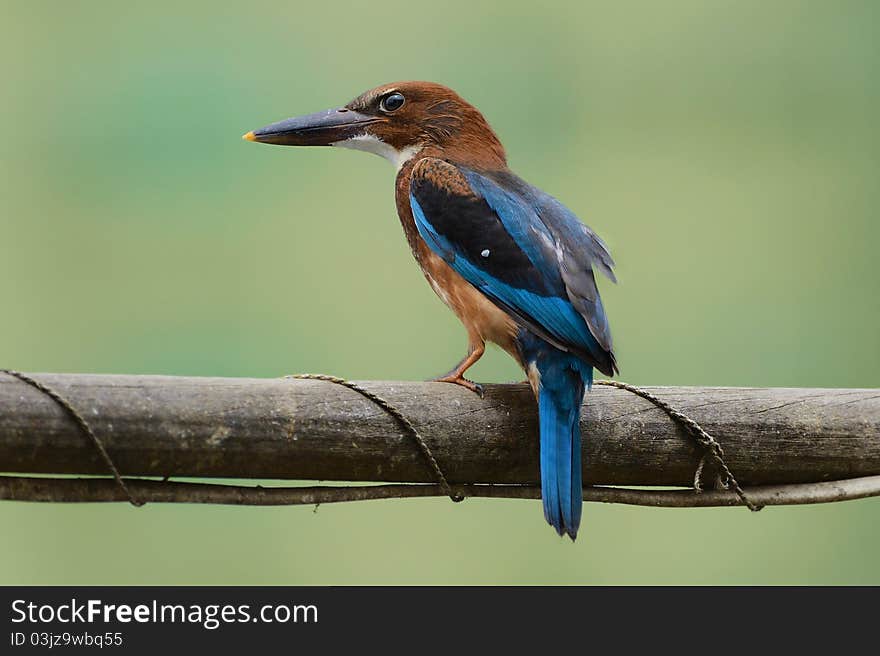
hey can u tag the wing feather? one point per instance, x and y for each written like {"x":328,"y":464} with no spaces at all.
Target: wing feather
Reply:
{"x":521,"y":248}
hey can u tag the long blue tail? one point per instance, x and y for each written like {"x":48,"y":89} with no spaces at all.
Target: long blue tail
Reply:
{"x":562,"y":385}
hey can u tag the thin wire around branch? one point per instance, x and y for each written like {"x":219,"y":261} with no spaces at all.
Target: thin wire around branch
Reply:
{"x":400,"y":417}
{"x":711,"y":446}
{"x":83,"y":425}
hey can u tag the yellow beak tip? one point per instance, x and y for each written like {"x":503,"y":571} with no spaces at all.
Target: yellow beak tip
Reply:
{"x":250,"y":136}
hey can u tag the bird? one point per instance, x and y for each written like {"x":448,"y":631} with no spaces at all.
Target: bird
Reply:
{"x":514,"y":264}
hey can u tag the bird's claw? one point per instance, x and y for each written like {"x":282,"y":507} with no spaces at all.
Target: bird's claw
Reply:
{"x":476,"y":388}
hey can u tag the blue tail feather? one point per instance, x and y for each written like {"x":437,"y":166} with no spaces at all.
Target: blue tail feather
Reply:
{"x":559,"y":419}
{"x":563,"y":381}
{"x":549,"y":420}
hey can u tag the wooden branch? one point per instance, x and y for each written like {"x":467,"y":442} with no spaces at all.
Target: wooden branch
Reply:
{"x":304,"y":429}
{"x":91,"y":490}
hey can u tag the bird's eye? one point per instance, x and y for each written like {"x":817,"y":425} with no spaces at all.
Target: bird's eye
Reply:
{"x":392,"y":102}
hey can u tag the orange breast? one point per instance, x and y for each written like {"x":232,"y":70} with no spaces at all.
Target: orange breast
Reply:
{"x":482,"y":319}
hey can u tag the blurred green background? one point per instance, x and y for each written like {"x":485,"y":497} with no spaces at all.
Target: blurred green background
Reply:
{"x":728,"y":152}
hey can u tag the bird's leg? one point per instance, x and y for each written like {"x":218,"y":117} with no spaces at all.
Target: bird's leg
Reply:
{"x":456,"y":376}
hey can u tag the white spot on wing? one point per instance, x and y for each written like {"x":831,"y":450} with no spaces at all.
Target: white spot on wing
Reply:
{"x":485,"y":253}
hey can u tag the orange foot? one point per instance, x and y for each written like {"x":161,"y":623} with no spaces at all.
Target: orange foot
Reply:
{"x":476,"y":388}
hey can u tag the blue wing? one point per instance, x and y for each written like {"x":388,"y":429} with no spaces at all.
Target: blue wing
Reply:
{"x":522,"y":249}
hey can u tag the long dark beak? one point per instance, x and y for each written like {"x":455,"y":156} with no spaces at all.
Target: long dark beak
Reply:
{"x":319,"y":129}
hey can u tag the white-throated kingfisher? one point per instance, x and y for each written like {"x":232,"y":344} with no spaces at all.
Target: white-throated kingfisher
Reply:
{"x":513,"y":263}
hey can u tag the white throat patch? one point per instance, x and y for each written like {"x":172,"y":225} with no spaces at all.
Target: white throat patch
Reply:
{"x":372,"y":144}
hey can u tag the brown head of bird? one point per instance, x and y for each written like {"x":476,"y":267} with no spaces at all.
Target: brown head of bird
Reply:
{"x":396,"y":121}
